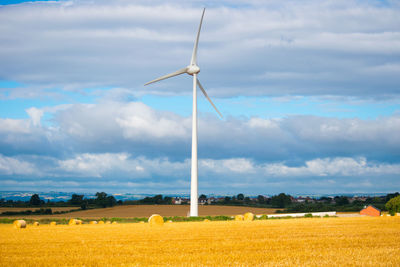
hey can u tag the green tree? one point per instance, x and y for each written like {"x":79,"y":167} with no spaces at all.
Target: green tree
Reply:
{"x":111,"y":201}
{"x":393,"y":205}
{"x":76,"y":199}
{"x":281,"y":201}
{"x":342,"y":200}
{"x":167,"y":200}
{"x":158,"y":199}
{"x":390,"y":196}
{"x":101,"y":199}
{"x":240,"y":197}
{"x":260,"y":199}
{"x":84,"y":204}
{"x":35,"y":200}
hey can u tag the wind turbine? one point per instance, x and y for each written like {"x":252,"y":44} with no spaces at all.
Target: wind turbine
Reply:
{"x":193,"y":70}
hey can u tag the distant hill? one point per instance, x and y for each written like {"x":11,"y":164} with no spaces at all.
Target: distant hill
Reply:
{"x":64,"y":196}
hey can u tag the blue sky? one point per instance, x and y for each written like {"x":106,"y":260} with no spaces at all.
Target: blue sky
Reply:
{"x":309,"y":91}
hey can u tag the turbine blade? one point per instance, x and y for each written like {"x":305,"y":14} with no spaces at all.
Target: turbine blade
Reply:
{"x":193,"y":61}
{"x":205,"y":94}
{"x":178,"y":72}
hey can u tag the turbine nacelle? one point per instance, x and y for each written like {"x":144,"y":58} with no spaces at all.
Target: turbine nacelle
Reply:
{"x":192,"y":69}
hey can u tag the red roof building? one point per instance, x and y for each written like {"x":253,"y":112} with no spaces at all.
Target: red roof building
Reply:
{"x":371,"y":211}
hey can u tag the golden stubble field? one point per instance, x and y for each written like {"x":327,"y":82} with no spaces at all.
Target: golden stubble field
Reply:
{"x":130,"y":211}
{"x":361,"y":241}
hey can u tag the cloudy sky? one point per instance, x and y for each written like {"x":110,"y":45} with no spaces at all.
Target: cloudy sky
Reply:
{"x":309,"y":90}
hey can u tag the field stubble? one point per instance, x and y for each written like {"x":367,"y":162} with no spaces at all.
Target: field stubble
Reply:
{"x":312,"y":242}
{"x":129,"y":211}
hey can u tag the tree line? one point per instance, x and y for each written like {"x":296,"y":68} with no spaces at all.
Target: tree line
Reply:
{"x":390,"y":202}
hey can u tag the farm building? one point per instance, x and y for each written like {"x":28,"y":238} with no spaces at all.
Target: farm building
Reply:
{"x":371,"y":211}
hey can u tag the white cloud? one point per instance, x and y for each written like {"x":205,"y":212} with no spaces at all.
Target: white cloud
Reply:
{"x":121,"y":171}
{"x":14,"y":126}
{"x":351,"y":167}
{"x":119,"y":127}
{"x":36,"y":115}
{"x":14,"y":166}
{"x":140,"y":121}
{"x":233,"y":166}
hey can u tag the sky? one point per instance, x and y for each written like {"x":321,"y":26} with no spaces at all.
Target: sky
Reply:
{"x":309,"y":91}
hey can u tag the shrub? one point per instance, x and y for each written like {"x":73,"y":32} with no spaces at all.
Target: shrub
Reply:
{"x":393,"y":205}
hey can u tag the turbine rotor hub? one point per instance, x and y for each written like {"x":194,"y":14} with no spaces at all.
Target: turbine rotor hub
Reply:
{"x":193,"y":69}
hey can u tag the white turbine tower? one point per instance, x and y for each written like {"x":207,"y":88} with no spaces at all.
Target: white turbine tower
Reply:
{"x":193,"y":70}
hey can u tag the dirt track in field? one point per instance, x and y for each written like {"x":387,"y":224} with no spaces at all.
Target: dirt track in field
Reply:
{"x":147,"y":210}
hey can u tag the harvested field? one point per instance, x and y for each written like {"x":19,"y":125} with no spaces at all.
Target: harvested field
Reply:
{"x":130,"y":211}
{"x":363,"y":241}
{"x":54,"y":209}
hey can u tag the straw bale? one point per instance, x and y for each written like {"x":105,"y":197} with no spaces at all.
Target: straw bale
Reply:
{"x":74,"y":222}
{"x":108,"y":222}
{"x":101,"y":222}
{"x":93,"y":222}
{"x":114,"y":222}
{"x":36,"y":224}
{"x":19,"y":224}
{"x":239,"y":218}
{"x":53,"y":223}
{"x":156,"y":219}
{"x":206,"y":220}
{"x":248,"y":216}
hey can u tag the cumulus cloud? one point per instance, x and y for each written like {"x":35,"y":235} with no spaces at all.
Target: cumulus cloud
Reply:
{"x":343,"y":48}
{"x":120,"y":127}
{"x":14,"y":126}
{"x":132,"y":147}
{"x":14,"y":166}
{"x":35,"y":114}
{"x":352,"y":167}
{"x":122,"y":171}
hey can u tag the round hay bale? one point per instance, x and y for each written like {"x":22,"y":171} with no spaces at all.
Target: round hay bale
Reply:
{"x":248,"y":216}
{"x":93,"y":222}
{"x":19,"y":224}
{"x":156,"y":219}
{"x":79,"y":222}
{"x":36,"y":224}
{"x":72,"y":222}
{"x":101,"y":222}
{"x":53,"y":223}
{"x":108,"y":222}
{"x":141,"y":221}
{"x":169,"y":221}
{"x":206,"y":220}
{"x":114,"y":222}
{"x":239,"y":218}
